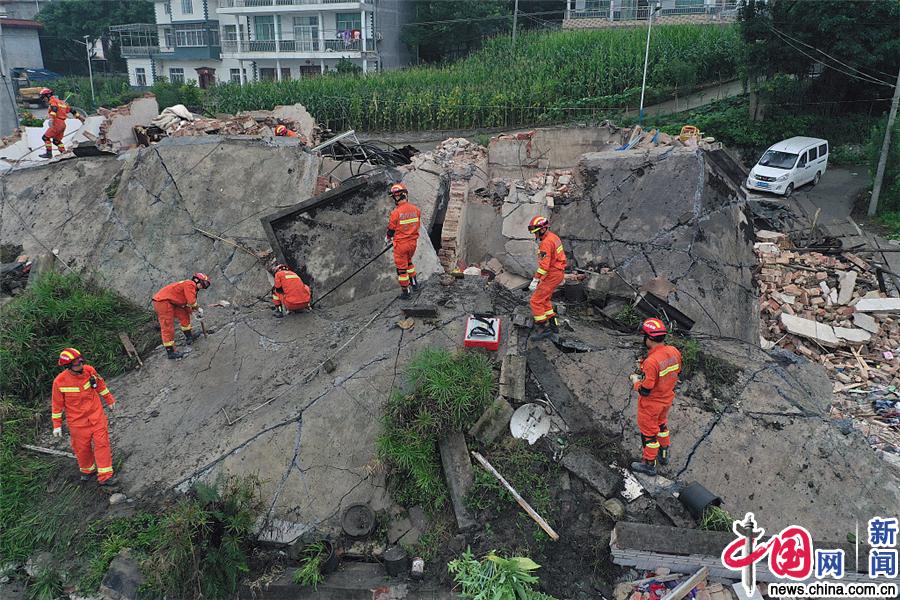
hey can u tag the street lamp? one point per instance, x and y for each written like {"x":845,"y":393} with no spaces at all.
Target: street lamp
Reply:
{"x":646,"y":61}
{"x":87,"y":48}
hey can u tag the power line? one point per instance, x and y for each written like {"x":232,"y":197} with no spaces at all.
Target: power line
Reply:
{"x":868,"y":78}
{"x":829,"y":56}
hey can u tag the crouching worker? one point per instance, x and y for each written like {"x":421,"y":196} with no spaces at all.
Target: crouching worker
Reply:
{"x":289,"y":292}
{"x":79,"y":392}
{"x":177,"y":301}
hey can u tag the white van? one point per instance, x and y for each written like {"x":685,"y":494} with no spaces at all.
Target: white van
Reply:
{"x":789,"y":164}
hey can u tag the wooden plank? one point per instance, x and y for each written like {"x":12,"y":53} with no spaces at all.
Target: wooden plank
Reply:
{"x":50,"y":451}
{"x":129,"y":347}
{"x":685,"y":587}
{"x":527,"y":507}
{"x":426,"y":311}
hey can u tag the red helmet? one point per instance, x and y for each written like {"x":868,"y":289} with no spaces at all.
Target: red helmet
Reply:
{"x":653,"y":328}
{"x":68,"y":356}
{"x":399,"y":191}
{"x":46,"y":92}
{"x":202,"y":279}
{"x":280,"y":130}
{"x":281,"y":267}
{"x":538,"y":224}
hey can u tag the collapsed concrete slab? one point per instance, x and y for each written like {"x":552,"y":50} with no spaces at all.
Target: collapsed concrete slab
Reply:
{"x":665,"y":213}
{"x":331,"y":235}
{"x":764,"y":443}
{"x":132,"y":222}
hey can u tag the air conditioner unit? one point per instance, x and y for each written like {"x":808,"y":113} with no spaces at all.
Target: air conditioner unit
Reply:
{"x":378,"y":36}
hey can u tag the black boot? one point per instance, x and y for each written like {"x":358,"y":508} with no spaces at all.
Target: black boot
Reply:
{"x":645,"y":467}
{"x":173,"y":354}
{"x":663,"y":456}
{"x":110,"y":482}
{"x":47,"y":154}
{"x":278,"y":313}
{"x":87,"y":476}
{"x":414,"y":281}
{"x":554,"y":325}
{"x":541,"y":332}
{"x":405,"y":294}
{"x":188,"y":337}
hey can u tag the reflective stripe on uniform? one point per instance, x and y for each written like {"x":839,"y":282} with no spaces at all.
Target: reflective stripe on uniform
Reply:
{"x":292,"y":277}
{"x":403,"y":278}
{"x":540,"y":318}
{"x":408,"y":221}
{"x":169,"y":344}
{"x":411,"y":271}
{"x":662,"y":434}
{"x":69,"y":389}
{"x":559,"y":249}
{"x":86,"y":385}
{"x":89,"y":469}
{"x":105,"y":470}
{"x":668,"y":370}
{"x":541,"y":271}
{"x":56,"y":415}
{"x":188,"y":328}
{"x":653,"y":445}
{"x":104,"y":392}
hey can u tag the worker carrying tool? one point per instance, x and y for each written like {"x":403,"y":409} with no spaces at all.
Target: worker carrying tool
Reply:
{"x":550,"y":273}
{"x":77,"y":392}
{"x":656,"y":391}
{"x":57,"y":111}
{"x":403,"y":230}
{"x":177,"y":301}
{"x":283,"y":131}
{"x":289,"y":292}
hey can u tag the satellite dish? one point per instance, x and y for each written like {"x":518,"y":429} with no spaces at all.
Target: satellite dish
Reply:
{"x":530,"y":422}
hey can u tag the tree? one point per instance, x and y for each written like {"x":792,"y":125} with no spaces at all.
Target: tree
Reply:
{"x":69,"y":20}
{"x":448,"y":30}
{"x":791,"y":37}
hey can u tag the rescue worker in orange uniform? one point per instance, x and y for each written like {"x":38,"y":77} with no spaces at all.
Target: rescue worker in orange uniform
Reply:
{"x":656,"y":391}
{"x":77,"y":392}
{"x":289,"y":292}
{"x":283,"y":131}
{"x":177,"y":301}
{"x":550,"y":273}
{"x":403,"y":230}
{"x":57,"y":111}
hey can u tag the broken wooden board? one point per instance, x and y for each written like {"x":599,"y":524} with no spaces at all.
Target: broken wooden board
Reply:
{"x":459,"y":476}
{"x":425,"y":311}
{"x":594,"y":473}
{"x":572,"y":412}
{"x":493,"y":422}
{"x":512,"y":377}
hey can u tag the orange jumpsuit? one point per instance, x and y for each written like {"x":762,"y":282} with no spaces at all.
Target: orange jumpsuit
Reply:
{"x":175,"y":301}
{"x":403,"y":227}
{"x":550,"y":272}
{"x":88,"y":425}
{"x":57,"y":110}
{"x":290,"y":291}
{"x":660,"y":368}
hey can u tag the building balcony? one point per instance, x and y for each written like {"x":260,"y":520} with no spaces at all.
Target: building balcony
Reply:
{"x":624,"y":12}
{"x":289,"y":49}
{"x":138,"y":51}
{"x":240,"y":7}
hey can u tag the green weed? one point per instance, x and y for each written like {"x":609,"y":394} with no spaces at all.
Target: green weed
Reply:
{"x":891,"y":221}
{"x":449,"y":393}
{"x":716,"y":519}
{"x":495,"y":577}
{"x":310,"y":572}
{"x":690,"y":353}
{"x":629,"y":317}
{"x":46,"y":585}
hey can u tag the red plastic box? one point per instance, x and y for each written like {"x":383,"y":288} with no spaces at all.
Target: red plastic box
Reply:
{"x":480,"y":339}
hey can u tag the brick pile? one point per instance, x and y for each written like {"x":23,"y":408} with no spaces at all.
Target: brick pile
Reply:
{"x":448,"y":253}
{"x":557,"y":185}
{"x":808,"y":305}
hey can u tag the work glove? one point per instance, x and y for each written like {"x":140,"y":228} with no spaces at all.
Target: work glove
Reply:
{"x":634,"y":377}
{"x":534,"y":284}
{"x":57,"y":432}
{"x":110,"y":407}
{"x":199,"y":313}
{"x":387,"y":239}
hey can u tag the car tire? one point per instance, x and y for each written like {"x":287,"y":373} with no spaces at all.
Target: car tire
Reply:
{"x":816,"y":179}
{"x":789,"y":190}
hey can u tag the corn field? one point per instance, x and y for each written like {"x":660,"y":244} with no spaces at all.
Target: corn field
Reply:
{"x":552,"y":77}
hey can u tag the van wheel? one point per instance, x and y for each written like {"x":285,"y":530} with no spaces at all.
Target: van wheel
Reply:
{"x":818,"y":176}
{"x":789,"y":190}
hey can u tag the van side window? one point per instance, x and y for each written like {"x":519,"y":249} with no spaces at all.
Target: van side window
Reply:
{"x":823,"y":149}
{"x":812,"y":154}
{"x":802,"y":162}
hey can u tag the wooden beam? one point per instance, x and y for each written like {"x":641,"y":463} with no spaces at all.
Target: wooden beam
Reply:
{"x":684,"y":588}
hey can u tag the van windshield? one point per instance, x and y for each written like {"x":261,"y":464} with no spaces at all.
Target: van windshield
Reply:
{"x":778,"y":160}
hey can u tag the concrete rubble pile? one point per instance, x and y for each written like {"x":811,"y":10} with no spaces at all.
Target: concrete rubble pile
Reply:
{"x":177,"y":121}
{"x":656,"y":585}
{"x":830,"y":310}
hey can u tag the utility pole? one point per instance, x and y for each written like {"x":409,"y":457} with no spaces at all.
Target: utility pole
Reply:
{"x":87,"y":48}
{"x":646,"y":61}
{"x":885,"y":146}
{"x":515,"y":19}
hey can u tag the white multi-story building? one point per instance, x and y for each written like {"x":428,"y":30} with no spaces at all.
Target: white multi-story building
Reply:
{"x":216,"y":41}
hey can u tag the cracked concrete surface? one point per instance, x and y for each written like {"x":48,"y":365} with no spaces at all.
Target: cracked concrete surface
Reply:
{"x":770,"y":449}
{"x":130,"y":220}
{"x":313,"y":444}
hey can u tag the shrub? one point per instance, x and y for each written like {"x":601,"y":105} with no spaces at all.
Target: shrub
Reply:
{"x":495,"y":577}
{"x":109,"y":91}
{"x":311,"y":560}
{"x":889,"y":200}
{"x":448,"y":393}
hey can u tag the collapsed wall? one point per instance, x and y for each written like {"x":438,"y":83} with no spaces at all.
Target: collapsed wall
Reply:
{"x":132,"y":221}
{"x":327,"y":237}
{"x":665,"y":215}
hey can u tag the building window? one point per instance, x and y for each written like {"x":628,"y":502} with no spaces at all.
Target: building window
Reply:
{"x":306,"y":33}
{"x":264,"y":28}
{"x":348,"y":21}
{"x":213,"y":37}
{"x":191,"y":36}
{"x":170,"y":37}
{"x":187,"y":7}
{"x":140,"y":76}
{"x":176,"y":75}
{"x":167,"y":8}
{"x":235,"y":75}
{"x":229,"y":33}
{"x":266,"y":74}
{"x":285,"y":73}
